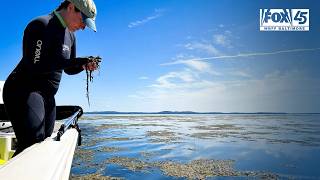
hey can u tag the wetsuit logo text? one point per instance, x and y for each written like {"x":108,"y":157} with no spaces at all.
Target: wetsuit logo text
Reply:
{"x":65,"y":48}
{"x":37,"y":53}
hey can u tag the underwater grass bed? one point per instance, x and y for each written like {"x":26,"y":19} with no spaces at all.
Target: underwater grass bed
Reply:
{"x":196,"y":147}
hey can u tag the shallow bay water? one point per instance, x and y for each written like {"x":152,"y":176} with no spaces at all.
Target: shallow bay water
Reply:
{"x":210,"y":146}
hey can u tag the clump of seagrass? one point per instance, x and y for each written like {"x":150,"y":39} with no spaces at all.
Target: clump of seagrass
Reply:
{"x":96,"y":60}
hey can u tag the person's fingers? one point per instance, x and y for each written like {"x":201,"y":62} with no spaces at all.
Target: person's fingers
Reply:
{"x":93,"y":65}
{"x":90,"y":66}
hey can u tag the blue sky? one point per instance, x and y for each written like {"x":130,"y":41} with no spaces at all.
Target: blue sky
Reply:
{"x":161,"y":55}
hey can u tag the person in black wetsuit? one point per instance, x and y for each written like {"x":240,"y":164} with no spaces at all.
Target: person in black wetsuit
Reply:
{"x":49,"y":48}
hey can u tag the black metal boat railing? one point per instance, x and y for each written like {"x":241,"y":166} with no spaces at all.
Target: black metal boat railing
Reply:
{"x":70,"y":122}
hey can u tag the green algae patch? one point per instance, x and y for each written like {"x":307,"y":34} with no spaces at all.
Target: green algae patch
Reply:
{"x":109,"y":126}
{"x":111,"y":149}
{"x":133,"y":164}
{"x":204,"y":168}
{"x":84,"y":154}
{"x":219,"y":127}
{"x":198,"y":169}
{"x":94,"y":141}
{"x":148,"y":155}
{"x":102,"y":139}
{"x":163,"y":133}
{"x":124,"y":126}
{"x":94,"y":177}
{"x":162,"y":136}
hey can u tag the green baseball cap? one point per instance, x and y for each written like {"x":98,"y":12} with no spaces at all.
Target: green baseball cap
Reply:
{"x":88,"y":11}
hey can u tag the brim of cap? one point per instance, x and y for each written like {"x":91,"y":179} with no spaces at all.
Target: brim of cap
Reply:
{"x":89,"y":22}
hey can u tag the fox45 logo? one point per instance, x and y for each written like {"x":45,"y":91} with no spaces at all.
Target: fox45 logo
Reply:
{"x":284,"y":19}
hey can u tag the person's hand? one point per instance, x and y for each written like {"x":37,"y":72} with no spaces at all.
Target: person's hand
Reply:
{"x":91,"y":66}
{"x":92,"y":63}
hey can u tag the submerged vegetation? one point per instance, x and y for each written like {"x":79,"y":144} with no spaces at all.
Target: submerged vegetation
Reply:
{"x":120,"y":146}
{"x":96,"y":60}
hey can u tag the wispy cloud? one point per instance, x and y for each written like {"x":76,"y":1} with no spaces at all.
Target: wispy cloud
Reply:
{"x":190,"y":76}
{"x":222,"y":40}
{"x":200,"y":66}
{"x":272,"y":92}
{"x":256,"y":54}
{"x":156,"y":14}
{"x":172,"y":80}
{"x":214,"y":45}
{"x":206,"y":47}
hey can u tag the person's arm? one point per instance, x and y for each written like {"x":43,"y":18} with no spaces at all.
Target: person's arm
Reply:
{"x":37,"y":43}
{"x":75,"y":69}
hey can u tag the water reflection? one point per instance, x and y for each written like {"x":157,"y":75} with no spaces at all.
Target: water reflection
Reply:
{"x":169,"y":146}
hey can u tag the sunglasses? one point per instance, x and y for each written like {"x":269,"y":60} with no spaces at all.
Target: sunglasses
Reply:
{"x":76,"y":9}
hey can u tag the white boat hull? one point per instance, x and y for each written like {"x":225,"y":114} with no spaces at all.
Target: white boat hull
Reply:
{"x":48,"y":160}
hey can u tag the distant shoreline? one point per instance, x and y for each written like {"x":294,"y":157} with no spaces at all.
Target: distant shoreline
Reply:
{"x":188,"y":112}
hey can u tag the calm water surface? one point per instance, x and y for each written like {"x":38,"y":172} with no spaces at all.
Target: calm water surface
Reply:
{"x":284,"y":145}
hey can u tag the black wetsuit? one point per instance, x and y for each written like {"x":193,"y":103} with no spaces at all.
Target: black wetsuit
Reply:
{"x":28,"y":94}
